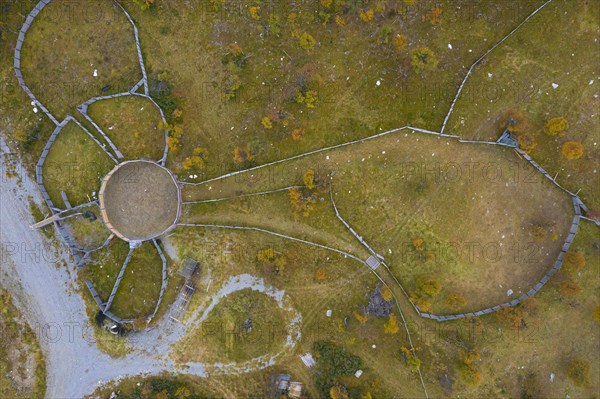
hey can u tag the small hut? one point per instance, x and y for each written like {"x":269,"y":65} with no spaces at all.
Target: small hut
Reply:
{"x":190,"y":266}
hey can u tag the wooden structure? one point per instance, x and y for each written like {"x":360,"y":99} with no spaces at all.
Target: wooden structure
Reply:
{"x":190,"y":266}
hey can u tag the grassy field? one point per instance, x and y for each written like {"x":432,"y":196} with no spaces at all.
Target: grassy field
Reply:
{"x":104,"y":266}
{"x":22,"y":364}
{"x":223,"y":338}
{"x":315,"y":280}
{"x":138,"y":293}
{"x":519,"y":75}
{"x":131,"y":123}
{"x":63,"y":48}
{"x":225,"y":96}
{"x":76,"y":165}
{"x":273,"y":80}
{"x":88,"y":235}
{"x":396,"y":189}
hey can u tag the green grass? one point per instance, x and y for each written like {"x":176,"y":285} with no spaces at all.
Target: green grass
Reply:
{"x":387,"y":208}
{"x":131,"y":123}
{"x":344,"y":289}
{"x":76,"y":165}
{"x":473,"y":205}
{"x":22,"y":360}
{"x":63,"y":47}
{"x":113,"y":345}
{"x":343,"y":68}
{"x":551,"y":48}
{"x":86,"y":234}
{"x":104,"y":266}
{"x":138,"y":293}
{"x":221,"y":337}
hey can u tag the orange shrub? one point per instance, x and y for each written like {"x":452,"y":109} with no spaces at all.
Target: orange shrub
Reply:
{"x":572,"y":150}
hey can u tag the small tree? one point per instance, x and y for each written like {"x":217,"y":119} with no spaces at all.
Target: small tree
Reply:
{"x":400,"y":41}
{"x":423,"y":59}
{"x":360,"y":317}
{"x":266,"y":254}
{"x":511,"y":316}
{"x":391,"y":326}
{"x":428,"y":285}
{"x":367,"y":15}
{"x":572,"y":150}
{"x":338,"y":392}
{"x":469,"y":375}
{"x":255,"y":12}
{"x":144,"y":4}
{"x":455,"y":300}
{"x":242,"y":154}
{"x":469,"y":357}
{"x":386,"y":293}
{"x":266,"y":122}
{"x":526,"y":142}
{"x":320,"y":274}
{"x":556,"y":126}
{"x":413,"y":363}
{"x":307,"y":42}
{"x":579,"y":372}
{"x":573,"y":262}
{"x":309,"y":179}
{"x":435,"y":16}
{"x":569,"y":287}
{"x":20,"y":135}
{"x":297,"y":134}
{"x":513,"y":121}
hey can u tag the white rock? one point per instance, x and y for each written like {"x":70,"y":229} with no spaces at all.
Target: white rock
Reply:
{"x":551,"y":377}
{"x":328,"y":313}
{"x":95,"y":72}
{"x":449,"y":46}
{"x":378,"y":83}
{"x":554,"y":85}
{"x":509,"y":292}
{"x":591,"y":82}
{"x":490,"y":75}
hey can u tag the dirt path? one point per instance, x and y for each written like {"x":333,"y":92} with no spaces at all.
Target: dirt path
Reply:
{"x":36,"y":275}
{"x":41,"y":279}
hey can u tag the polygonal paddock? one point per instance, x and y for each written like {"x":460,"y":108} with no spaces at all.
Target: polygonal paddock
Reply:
{"x":140,"y":200}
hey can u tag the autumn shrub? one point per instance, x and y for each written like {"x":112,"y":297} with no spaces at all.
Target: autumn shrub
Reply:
{"x":572,"y":150}
{"x":556,"y":126}
{"x":573,"y":262}
{"x":423,"y":59}
{"x":513,"y":121}
{"x":579,"y":372}
{"x":428,"y":286}
{"x":455,"y":300}
{"x":526,"y":142}
{"x":469,"y":375}
{"x":391,"y":326}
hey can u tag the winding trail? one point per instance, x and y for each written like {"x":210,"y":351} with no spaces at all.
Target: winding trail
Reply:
{"x":42,"y":285}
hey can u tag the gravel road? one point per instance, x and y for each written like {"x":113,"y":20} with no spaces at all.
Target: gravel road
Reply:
{"x":41,"y":279}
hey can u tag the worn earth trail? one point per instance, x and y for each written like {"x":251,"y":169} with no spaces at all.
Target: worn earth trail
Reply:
{"x":41,"y":278}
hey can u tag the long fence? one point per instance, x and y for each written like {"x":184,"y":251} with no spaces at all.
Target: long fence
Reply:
{"x":578,"y":206}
